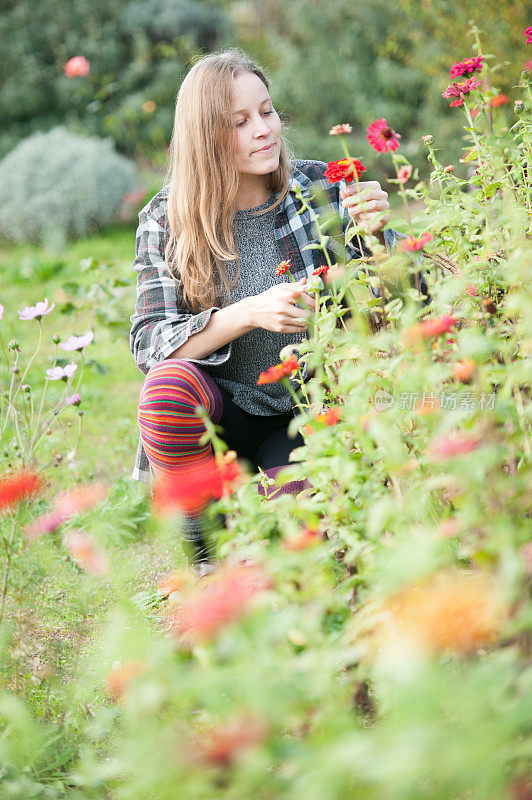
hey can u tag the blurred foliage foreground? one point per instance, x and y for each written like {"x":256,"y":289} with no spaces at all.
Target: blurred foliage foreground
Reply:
{"x":370,"y":638}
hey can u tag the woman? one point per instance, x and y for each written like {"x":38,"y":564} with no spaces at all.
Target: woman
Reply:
{"x":211,"y":314}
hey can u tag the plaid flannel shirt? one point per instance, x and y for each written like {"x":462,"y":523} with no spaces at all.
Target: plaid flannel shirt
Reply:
{"x":161,"y":323}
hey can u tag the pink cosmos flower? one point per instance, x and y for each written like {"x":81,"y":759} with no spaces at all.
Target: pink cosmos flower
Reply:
{"x":86,"y":552}
{"x":528,"y":33}
{"x":381,"y":137}
{"x":37,"y":311}
{"x":454,"y":444}
{"x":73,"y":400}
{"x":1,"y":310}
{"x":467,"y":67}
{"x":77,"y":342}
{"x":61,"y":373}
{"x":460,"y":90}
{"x":404,"y":174}
{"x":338,"y":130}
{"x":66,"y":505}
{"x":411,"y":244}
{"x":77,"y":67}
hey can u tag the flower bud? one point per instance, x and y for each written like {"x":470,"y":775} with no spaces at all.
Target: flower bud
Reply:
{"x":519,"y":106}
{"x":80,"y":413}
{"x":56,"y":338}
{"x":15,"y":370}
{"x":525,"y":75}
{"x":26,"y":388}
{"x":14,"y":345}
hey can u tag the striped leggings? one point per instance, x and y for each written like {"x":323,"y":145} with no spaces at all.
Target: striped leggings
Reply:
{"x":171,"y":431}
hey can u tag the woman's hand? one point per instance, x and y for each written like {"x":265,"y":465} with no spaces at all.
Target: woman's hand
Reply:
{"x":367,"y":205}
{"x":275,"y":309}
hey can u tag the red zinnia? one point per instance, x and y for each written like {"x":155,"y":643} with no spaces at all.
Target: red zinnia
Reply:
{"x":500,"y":100}
{"x":460,"y":90}
{"x":16,"y":488}
{"x":216,"y":601}
{"x":190,"y":488}
{"x":330,"y":416}
{"x":346,"y":170}
{"x":323,"y":270}
{"x":284,"y":266}
{"x":411,"y":244}
{"x":467,"y":67}
{"x":436,"y":326}
{"x":381,"y":137}
{"x":279,"y":371}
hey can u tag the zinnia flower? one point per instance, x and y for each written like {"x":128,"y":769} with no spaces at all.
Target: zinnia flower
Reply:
{"x":284,"y":266}
{"x":528,"y":33}
{"x":428,"y":137}
{"x":323,"y":270}
{"x":454,"y":444}
{"x":190,"y":488}
{"x":455,"y":613}
{"x":61,"y":373}
{"x":460,"y":90}
{"x":338,"y":130}
{"x":37,"y":311}
{"x":467,"y":67}
{"x":18,"y":487}
{"x":85,"y":550}
{"x":330,"y":416}
{"x":77,"y":342}
{"x":449,"y":168}
{"x":118,"y":680}
{"x":404,"y":173}
{"x":349,"y":169}
{"x":381,"y":137}
{"x":279,"y":371}
{"x":500,"y":100}
{"x":411,"y":243}
{"x":226,"y":743}
{"x":217,"y":601}
{"x":463,"y":370}
{"x":77,"y":67}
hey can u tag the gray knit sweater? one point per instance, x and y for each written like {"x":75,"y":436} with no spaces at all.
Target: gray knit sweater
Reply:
{"x":257,"y":350}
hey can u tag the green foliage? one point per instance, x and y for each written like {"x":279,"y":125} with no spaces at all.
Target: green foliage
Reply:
{"x":56,"y":185}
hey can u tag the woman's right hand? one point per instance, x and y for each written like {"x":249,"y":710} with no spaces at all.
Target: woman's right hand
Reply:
{"x":275,"y":309}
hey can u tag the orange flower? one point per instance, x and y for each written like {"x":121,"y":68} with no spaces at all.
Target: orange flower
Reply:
{"x":463,"y":370}
{"x":330,"y":416}
{"x":284,"y":266}
{"x":85,"y":550}
{"x":190,"y":488}
{"x":118,"y":680}
{"x":175,"y":582}
{"x":279,"y":371}
{"x":434,"y":326}
{"x":18,"y":487}
{"x":449,"y":612}
{"x":500,"y":100}
{"x":411,"y":244}
{"x":339,"y":130}
{"x":348,"y":169}
{"x":307,"y":538}
{"x":217,"y":601}
{"x":226,"y":743}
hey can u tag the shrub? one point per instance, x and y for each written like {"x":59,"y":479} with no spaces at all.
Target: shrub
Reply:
{"x":57,"y":184}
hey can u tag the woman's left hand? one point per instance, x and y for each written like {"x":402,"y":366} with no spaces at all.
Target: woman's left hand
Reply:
{"x":367,"y":205}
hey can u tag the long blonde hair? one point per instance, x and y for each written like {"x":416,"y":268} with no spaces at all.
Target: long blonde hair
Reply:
{"x":203,"y":179}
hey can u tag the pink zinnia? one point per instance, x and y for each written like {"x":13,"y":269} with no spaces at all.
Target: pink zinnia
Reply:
{"x":411,"y":244}
{"x":528,"y":33}
{"x":381,"y":137}
{"x":460,"y":90}
{"x":77,"y":342}
{"x":467,"y":67}
{"x":77,"y":67}
{"x":404,"y":173}
{"x":455,"y":444}
{"x":37,"y":311}
{"x":338,"y":130}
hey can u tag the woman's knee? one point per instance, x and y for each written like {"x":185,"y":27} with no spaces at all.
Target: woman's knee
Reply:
{"x":177,"y":380}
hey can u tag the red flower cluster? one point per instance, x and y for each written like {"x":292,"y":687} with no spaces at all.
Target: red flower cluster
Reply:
{"x":16,"y":488}
{"x":467,"y":67}
{"x":216,"y":601}
{"x":192,"y":487}
{"x":528,"y":33}
{"x":500,"y":100}
{"x":381,"y":137}
{"x":348,"y":170}
{"x":284,"y":266}
{"x":460,"y":90}
{"x":411,"y":243}
{"x":279,"y":371}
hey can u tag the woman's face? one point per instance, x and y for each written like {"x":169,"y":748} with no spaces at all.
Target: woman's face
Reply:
{"x":257,"y":127}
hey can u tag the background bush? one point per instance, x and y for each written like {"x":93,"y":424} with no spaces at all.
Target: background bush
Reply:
{"x":56,"y":184}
